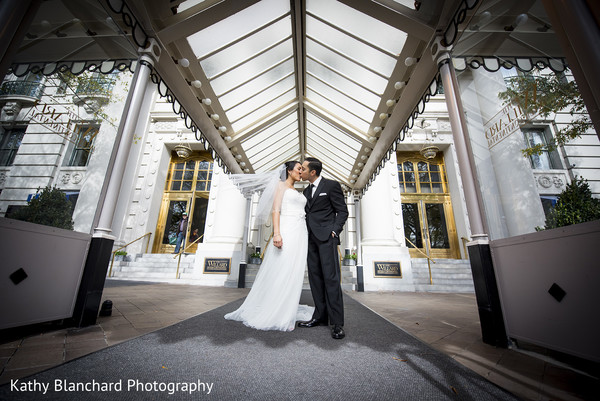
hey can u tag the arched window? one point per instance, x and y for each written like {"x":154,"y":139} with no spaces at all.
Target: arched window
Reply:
{"x":422,"y":177}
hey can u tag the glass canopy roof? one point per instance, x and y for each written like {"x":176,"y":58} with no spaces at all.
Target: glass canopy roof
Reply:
{"x":250,"y":61}
{"x":273,"y":80}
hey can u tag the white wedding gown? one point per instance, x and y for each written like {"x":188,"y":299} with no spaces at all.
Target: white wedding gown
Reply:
{"x":273,"y":301}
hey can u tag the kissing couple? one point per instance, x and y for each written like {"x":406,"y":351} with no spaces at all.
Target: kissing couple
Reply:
{"x":306,"y":230}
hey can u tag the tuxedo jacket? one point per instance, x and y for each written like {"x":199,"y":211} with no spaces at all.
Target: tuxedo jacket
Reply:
{"x":327,"y":210}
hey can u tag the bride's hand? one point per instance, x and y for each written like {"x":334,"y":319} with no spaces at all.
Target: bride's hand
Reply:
{"x":277,"y":241}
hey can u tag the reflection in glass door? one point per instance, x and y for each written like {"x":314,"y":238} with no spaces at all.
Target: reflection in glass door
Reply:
{"x":174,"y":217}
{"x":198,"y":221}
{"x":426,"y":207}
{"x":186,"y":190}
{"x":426,"y":229}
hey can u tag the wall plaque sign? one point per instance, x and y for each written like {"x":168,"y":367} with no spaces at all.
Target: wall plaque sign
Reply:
{"x":387,"y":269}
{"x":217,"y":265}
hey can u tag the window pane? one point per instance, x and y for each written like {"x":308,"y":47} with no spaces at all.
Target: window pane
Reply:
{"x":258,"y":83}
{"x":424,"y":180}
{"x":189,"y":175}
{"x":412,"y":225}
{"x":340,"y":98}
{"x":436,"y":221}
{"x":348,"y":68}
{"x":409,"y":177}
{"x":335,"y":109}
{"x":361,"y":25}
{"x":247,"y":48}
{"x":239,"y":24}
{"x":260,"y":99}
{"x":350,"y":88}
{"x":252,"y":68}
{"x":81,"y":150}
{"x":350,"y":47}
{"x":263,"y":111}
{"x":79,"y":158}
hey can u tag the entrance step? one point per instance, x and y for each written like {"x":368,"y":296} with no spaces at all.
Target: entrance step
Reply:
{"x":448,"y":275}
{"x":157,"y":267}
{"x":348,"y":279}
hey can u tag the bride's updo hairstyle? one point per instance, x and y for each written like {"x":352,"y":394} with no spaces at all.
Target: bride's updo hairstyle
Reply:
{"x":289,"y":166}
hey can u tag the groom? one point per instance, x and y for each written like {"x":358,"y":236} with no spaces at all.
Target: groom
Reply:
{"x":326,"y":213}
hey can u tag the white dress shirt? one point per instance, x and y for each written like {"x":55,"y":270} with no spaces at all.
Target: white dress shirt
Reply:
{"x":315,"y":184}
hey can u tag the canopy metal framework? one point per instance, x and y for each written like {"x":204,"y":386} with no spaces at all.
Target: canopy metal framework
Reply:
{"x":273,"y":80}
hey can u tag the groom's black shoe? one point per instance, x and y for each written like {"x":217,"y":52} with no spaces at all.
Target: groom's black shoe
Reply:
{"x":337,"y":332}
{"x":311,"y":323}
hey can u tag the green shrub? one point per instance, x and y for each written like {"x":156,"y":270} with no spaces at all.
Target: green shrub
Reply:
{"x":574,"y":205}
{"x":48,"y":207}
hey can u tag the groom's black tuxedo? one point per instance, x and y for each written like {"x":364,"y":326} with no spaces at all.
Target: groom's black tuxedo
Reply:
{"x":326,"y":212}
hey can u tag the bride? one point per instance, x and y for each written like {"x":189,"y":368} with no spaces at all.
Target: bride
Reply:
{"x":273,"y":301}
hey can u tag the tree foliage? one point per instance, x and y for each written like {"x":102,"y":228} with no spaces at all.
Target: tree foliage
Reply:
{"x":574,"y":205}
{"x":544,"y":95}
{"x":48,"y":207}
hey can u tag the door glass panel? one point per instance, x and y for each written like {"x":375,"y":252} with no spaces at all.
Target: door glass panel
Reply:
{"x":176,"y":209}
{"x":412,"y":224}
{"x":198,"y":219}
{"x":436,"y":224}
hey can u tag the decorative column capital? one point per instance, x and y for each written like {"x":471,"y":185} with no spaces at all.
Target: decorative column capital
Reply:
{"x":150,"y":53}
{"x":439,"y":52}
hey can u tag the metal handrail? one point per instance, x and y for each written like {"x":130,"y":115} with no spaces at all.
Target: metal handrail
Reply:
{"x":181,"y":253}
{"x":428,"y":259}
{"x":125,"y":246}
{"x":265,"y":248}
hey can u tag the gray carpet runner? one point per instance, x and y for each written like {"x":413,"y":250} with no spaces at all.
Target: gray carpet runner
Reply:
{"x":208,"y":357}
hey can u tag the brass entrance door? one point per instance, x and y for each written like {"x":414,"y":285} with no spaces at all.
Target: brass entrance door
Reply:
{"x":187,"y":189}
{"x":426,"y":207}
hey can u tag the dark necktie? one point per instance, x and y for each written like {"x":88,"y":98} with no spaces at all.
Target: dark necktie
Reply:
{"x":310,"y":190}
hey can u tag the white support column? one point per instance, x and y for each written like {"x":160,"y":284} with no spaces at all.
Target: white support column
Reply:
{"x":459,"y":133}
{"x":241,"y":279}
{"x":350,"y":228}
{"x":357,"y":213}
{"x":360,"y":280}
{"x":482,"y":266}
{"x":91,"y":284}
{"x":380,"y":242}
{"x":247,"y":229}
{"x":147,"y":59}
{"x":225,"y":232}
